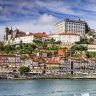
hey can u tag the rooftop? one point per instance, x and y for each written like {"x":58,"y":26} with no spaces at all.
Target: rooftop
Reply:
{"x":52,"y":62}
{"x":66,"y":33}
{"x":40,"y":34}
{"x":9,"y":55}
{"x":70,"y":20}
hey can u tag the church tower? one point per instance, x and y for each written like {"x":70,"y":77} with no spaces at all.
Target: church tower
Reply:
{"x":6,"y":32}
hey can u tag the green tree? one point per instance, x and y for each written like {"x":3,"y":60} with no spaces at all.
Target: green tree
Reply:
{"x":84,"y":41}
{"x":33,"y":47}
{"x":79,"y":48}
{"x":24,"y":69}
{"x":8,"y":48}
{"x":53,"y":47}
{"x":1,"y":47}
{"x":58,"y":42}
{"x":44,"y":44}
{"x":90,"y":54}
{"x":37,"y":41}
{"x":49,"y":53}
{"x":26,"y":51}
{"x":27,"y":48}
{"x":91,"y":40}
{"x":18,"y":48}
{"x":78,"y":42}
{"x":87,"y":29}
{"x":50,"y":41}
{"x":21,"y":44}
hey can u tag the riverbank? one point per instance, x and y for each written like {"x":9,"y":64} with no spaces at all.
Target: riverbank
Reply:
{"x":56,"y":77}
{"x":52,"y":77}
{"x":65,"y":77}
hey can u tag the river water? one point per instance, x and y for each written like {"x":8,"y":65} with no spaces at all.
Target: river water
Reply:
{"x":48,"y":87}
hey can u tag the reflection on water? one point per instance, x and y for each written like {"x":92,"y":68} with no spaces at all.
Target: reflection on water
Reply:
{"x":63,"y":87}
{"x":84,"y":94}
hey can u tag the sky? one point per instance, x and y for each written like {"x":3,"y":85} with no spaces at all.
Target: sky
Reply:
{"x":41,"y":15}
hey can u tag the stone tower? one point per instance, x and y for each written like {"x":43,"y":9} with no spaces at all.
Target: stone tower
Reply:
{"x":6,"y":32}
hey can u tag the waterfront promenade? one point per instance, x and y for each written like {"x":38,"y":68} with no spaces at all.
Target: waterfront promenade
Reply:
{"x":56,"y":77}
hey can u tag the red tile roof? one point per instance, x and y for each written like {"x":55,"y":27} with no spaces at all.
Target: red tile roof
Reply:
{"x":67,"y":33}
{"x":51,"y":34}
{"x":39,"y":34}
{"x":11,"y":55}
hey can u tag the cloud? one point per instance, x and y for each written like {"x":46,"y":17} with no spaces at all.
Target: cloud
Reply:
{"x":88,"y":6}
{"x":46,"y":19}
{"x":40,"y":15}
{"x":14,"y":10}
{"x":60,"y":6}
{"x":45,"y":23}
{"x":23,"y":9}
{"x":30,"y":27}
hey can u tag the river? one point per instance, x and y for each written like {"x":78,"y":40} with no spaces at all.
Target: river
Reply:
{"x":48,"y":87}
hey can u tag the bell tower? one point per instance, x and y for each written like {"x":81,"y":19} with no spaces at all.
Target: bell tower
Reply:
{"x":6,"y":32}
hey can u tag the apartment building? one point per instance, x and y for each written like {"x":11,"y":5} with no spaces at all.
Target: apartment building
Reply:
{"x":9,"y":62}
{"x":68,"y":25}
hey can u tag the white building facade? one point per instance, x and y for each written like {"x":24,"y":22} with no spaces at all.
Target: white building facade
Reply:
{"x":66,"y":37}
{"x":28,"y":38}
{"x":73,"y":26}
{"x":55,"y":36}
{"x":24,"y":39}
{"x":91,"y":47}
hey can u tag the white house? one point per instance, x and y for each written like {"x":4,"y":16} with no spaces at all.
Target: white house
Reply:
{"x":91,"y":47}
{"x":24,"y":39}
{"x":28,"y":38}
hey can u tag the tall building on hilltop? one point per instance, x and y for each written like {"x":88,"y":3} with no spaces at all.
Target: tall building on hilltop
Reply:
{"x":71,"y":26}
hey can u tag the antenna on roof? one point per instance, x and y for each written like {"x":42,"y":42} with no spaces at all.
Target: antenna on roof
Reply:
{"x":11,"y":27}
{"x":79,"y":19}
{"x":50,"y":32}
